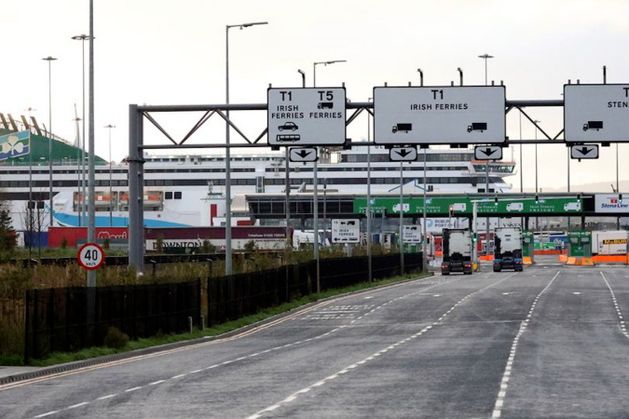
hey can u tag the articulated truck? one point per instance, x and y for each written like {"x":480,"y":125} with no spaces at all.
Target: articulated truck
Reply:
{"x":457,"y":251}
{"x":508,"y":249}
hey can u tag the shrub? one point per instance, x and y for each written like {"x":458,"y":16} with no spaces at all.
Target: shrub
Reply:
{"x":115,"y":338}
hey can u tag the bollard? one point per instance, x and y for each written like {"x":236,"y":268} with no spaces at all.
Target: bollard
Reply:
{"x":202,"y":322}
{"x":154,"y":263}
{"x":190,"y":324}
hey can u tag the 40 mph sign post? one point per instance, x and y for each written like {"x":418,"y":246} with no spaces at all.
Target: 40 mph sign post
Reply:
{"x":91,"y":256}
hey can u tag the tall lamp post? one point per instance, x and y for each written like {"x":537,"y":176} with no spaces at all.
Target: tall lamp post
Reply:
{"x":315,"y":198}
{"x":535,"y":121}
{"x":228,"y":218}
{"x":369,"y":261}
{"x":82,"y":38}
{"x":50,"y":59}
{"x":111,"y":195}
{"x":485,"y":57}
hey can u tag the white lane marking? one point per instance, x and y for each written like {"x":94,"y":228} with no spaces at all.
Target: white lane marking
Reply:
{"x":43,"y":415}
{"x":223,"y":340}
{"x":506,"y":293}
{"x":154,"y":383}
{"x":502,"y":393}
{"x":576,"y":293}
{"x":621,"y":318}
{"x":369,"y":297}
{"x":345,"y":370}
{"x":74,"y":406}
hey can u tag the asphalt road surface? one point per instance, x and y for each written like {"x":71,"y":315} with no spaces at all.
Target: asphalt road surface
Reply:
{"x":548,"y":342}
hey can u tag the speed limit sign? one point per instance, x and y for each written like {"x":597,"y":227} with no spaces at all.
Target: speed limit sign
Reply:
{"x":90,"y":256}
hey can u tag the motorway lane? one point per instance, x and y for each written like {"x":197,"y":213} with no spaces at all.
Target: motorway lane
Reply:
{"x":215,"y":359}
{"x":453,"y":370}
{"x":573,"y":361}
{"x":388,"y":352}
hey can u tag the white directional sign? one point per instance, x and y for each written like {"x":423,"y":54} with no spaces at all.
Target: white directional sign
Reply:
{"x":91,"y":256}
{"x":403,"y":154}
{"x":412,"y":234}
{"x":484,"y":152}
{"x":306,"y":116}
{"x":439,"y":115}
{"x":584,"y":151}
{"x":346,"y":231}
{"x":302,"y":154}
{"x":596,"y":112}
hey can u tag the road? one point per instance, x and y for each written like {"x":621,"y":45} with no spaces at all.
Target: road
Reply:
{"x":548,"y":342}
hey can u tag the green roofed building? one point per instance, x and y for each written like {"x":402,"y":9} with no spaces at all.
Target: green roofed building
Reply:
{"x":63,"y":153}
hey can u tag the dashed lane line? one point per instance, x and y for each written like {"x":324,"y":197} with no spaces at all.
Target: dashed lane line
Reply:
{"x":154,"y":383}
{"x":371,"y":357}
{"x":243,"y":334}
{"x":506,"y":376}
{"x":621,"y":317}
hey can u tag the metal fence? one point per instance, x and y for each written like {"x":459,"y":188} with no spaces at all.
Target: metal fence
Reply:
{"x":56,"y":318}
{"x":235,"y":296}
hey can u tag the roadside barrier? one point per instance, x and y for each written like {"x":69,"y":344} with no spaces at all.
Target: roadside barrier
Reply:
{"x":56,"y":318}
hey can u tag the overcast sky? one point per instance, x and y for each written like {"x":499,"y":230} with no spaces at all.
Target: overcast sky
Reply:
{"x":173,"y":52}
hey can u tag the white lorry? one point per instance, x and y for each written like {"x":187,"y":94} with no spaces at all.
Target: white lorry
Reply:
{"x":508,"y":249}
{"x":457,"y":251}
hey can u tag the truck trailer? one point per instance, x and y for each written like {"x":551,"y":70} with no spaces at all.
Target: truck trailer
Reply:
{"x":508,"y":249}
{"x":609,"y":242}
{"x":457,"y":251}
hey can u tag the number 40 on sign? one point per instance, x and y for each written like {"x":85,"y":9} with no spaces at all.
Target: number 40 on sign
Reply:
{"x":90,"y":256}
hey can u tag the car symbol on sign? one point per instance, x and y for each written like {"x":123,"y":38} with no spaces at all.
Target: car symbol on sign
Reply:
{"x":288,"y":126}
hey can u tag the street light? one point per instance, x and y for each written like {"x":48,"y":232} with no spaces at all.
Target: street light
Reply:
{"x":111,"y":195}
{"x":324,"y":63}
{"x":50,"y":59}
{"x":315,"y":198}
{"x":535,"y":122}
{"x":369,"y":258}
{"x":486,"y":57}
{"x":82,"y":38}
{"x":228,"y":218}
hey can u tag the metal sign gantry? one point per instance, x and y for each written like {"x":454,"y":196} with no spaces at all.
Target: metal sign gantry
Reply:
{"x":139,"y":113}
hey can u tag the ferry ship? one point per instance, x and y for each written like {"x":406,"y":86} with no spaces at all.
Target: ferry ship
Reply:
{"x":188,"y":190}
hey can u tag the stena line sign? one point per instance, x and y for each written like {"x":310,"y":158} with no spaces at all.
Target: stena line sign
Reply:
{"x":610,"y":203}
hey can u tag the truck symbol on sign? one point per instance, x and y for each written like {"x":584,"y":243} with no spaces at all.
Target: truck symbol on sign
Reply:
{"x":405,"y":207}
{"x":325,"y":105}
{"x":477,"y":126}
{"x":400,"y":126}
{"x":460,"y":206}
{"x":515,"y":206}
{"x":572,"y":206}
{"x":597,"y":125}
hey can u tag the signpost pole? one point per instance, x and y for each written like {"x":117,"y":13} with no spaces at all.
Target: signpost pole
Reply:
{"x":424,"y":237}
{"x":401,"y":218}
{"x":315,"y":222}
{"x":369,"y":267}
{"x":91,"y":214}
{"x":474,"y":232}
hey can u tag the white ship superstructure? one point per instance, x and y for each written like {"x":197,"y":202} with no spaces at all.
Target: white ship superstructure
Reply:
{"x":184,"y":191}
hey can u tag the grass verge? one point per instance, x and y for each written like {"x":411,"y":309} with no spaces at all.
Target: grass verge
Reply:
{"x":64,"y":357}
